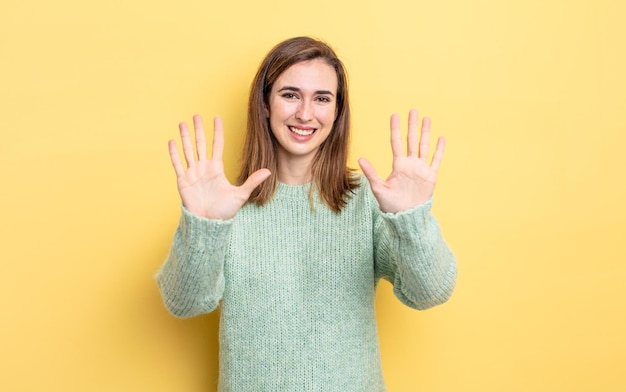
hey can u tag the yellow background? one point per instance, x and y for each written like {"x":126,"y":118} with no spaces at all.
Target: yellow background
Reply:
{"x":531,"y":96}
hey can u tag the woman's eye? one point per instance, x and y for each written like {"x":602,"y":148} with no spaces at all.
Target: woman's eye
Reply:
{"x":289,"y":95}
{"x":323,"y":99}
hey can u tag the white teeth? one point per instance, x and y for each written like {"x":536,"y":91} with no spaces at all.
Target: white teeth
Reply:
{"x":302,"y":132}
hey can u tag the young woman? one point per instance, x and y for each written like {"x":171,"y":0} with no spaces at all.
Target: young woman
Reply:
{"x":294,"y":250}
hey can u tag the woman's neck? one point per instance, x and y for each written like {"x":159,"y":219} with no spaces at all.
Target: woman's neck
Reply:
{"x":294,"y":170}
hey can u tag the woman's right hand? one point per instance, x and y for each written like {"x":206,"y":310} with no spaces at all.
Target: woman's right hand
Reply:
{"x":203,"y":187}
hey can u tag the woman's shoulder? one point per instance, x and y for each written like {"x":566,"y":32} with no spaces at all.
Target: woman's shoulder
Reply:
{"x":362,"y":194}
{"x":363,"y":185}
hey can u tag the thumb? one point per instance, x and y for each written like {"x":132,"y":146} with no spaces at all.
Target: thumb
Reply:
{"x":369,"y":171}
{"x":255,"y":179}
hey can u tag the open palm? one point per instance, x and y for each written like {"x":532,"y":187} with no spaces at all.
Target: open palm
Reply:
{"x":412,"y":179}
{"x":203,"y":187}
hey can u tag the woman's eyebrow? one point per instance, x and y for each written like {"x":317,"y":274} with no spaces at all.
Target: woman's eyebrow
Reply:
{"x":297,"y":89}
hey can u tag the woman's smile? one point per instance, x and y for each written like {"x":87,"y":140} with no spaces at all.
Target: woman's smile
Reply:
{"x":300,"y":131}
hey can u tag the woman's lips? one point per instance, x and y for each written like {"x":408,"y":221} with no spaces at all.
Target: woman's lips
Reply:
{"x":302,"y":131}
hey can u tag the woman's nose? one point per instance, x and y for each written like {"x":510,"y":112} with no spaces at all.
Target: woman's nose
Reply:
{"x":304,"y":111}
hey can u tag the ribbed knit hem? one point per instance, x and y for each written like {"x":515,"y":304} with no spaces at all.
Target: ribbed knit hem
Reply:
{"x":197,"y":230}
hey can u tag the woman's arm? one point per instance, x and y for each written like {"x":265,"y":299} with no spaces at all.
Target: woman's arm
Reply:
{"x":412,"y":254}
{"x":191,"y":280}
{"x":410,"y":250}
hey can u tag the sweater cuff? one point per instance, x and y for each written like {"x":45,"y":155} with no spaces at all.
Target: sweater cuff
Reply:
{"x":420,"y":210}
{"x":199,"y":230}
{"x":417,"y":220}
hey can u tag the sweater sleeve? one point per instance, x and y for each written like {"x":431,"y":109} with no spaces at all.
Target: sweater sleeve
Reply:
{"x":191,"y":280}
{"x":412,"y":254}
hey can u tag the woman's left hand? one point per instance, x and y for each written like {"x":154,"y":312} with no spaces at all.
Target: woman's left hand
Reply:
{"x":412,"y":179}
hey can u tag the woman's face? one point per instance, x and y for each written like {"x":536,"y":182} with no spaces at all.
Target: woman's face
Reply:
{"x":302,"y":108}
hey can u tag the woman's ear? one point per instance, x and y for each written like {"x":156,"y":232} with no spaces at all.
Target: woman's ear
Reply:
{"x":267,"y":111}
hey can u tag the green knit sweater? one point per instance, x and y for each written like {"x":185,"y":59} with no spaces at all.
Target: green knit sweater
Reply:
{"x":297,"y":286}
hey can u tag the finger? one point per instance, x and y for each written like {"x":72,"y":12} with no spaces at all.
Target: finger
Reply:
{"x":369,"y":171}
{"x":424,"y":139}
{"x":187,"y":145}
{"x":412,"y":134}
{"x":198,"y":127}
{"x":254,"y":180}
{"x":396,"y":137}
{"x":175,"y":159}
{"x":437,"y":158}
{"x":218,"y":138}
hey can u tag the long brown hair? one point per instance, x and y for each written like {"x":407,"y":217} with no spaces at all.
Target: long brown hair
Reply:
{"x":331,"y":176}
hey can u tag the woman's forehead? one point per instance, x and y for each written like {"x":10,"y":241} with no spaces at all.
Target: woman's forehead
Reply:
{"x":310,"y":75}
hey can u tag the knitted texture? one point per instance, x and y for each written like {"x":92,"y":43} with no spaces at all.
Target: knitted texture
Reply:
{"x":297,"y":286}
